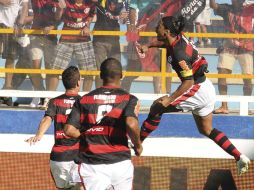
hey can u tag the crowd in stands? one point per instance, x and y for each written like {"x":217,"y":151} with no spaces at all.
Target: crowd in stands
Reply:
{"x":52,"y":52}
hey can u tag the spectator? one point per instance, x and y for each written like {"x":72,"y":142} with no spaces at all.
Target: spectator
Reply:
{"x":43,"y":46}
{"x":238,"y":19}
{"x":202,"y":21}
{"x":109,"y":16}
{"x":65,"y":149}
{"x":102,"y":119}
{"x":139,"y":19}
{"x":147,"y":14}
{"x":12,"y":15}
{"x":24,"y":61}
{"x":76,"y":15}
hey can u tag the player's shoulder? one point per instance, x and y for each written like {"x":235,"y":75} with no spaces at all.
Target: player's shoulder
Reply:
{"x":124,"y":92}
{"x":54,"y":99}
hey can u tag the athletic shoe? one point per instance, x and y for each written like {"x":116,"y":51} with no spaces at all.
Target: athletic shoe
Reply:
{"x":242,"y":164}
{"x":6,"y":100}
{"x":35,"y":102}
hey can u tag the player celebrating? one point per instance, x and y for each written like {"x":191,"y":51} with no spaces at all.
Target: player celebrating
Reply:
{"x":196,"y":93}
{"x":102,"y":119}
{"x":65,"y":149}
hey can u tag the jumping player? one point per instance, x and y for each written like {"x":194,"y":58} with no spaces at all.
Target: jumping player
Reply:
{"x":103,"y":119}
{"x":196,"y":93}
{"x":65,"y":149}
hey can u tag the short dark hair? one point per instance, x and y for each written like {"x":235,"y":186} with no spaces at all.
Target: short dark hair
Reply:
{"x":173,"y":24}
{"x":110,"y":69}
{"x":70,"y":77}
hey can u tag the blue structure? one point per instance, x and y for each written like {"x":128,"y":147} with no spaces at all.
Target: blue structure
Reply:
{"x":172,"y":125}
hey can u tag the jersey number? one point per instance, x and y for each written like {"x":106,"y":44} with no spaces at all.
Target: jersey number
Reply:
{"x":102,"y":110}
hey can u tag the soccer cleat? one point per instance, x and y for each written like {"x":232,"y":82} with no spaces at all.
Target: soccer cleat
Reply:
{"x":242,"y":164}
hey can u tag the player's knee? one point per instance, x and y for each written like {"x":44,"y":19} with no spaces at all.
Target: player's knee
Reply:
{"x":205,"y":132}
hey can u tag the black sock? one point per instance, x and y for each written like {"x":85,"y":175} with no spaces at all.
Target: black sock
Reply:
{"x":149,"y":125}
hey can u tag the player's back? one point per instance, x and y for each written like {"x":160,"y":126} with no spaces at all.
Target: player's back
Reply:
{"x":59,"y":108}
{"x":103,"y":113}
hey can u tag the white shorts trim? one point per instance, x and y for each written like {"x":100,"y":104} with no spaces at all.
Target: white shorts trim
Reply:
{"x":201,"y":102}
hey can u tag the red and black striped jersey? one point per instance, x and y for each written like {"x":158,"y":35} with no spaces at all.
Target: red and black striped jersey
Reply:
{"x":108,"y":16}
{"x":75,"y":17}
{"x":65,"y":148}
{"x":239,"y":22}
{"x":186,"y":61}
{"x":44,"y":13}
{"x":100,"y":116}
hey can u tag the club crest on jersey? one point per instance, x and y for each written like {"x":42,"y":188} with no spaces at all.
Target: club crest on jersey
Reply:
{"x":169,"y":59}
{"x":86,"y":11}
{"x":184,"y":65}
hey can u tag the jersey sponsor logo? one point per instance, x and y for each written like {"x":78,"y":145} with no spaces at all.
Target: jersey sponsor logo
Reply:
{"x":76,"y":25}
{"x":60,"y":135}
{"x":107,"y":98}
{"x":97,"y":129}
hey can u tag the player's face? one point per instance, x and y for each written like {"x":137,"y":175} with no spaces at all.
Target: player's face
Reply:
{"x":160,"y":30}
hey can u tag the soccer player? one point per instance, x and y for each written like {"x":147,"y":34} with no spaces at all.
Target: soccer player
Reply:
{"x":65,"y":149}
{"x":196,"y":93}
{"x":103,"y":119}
